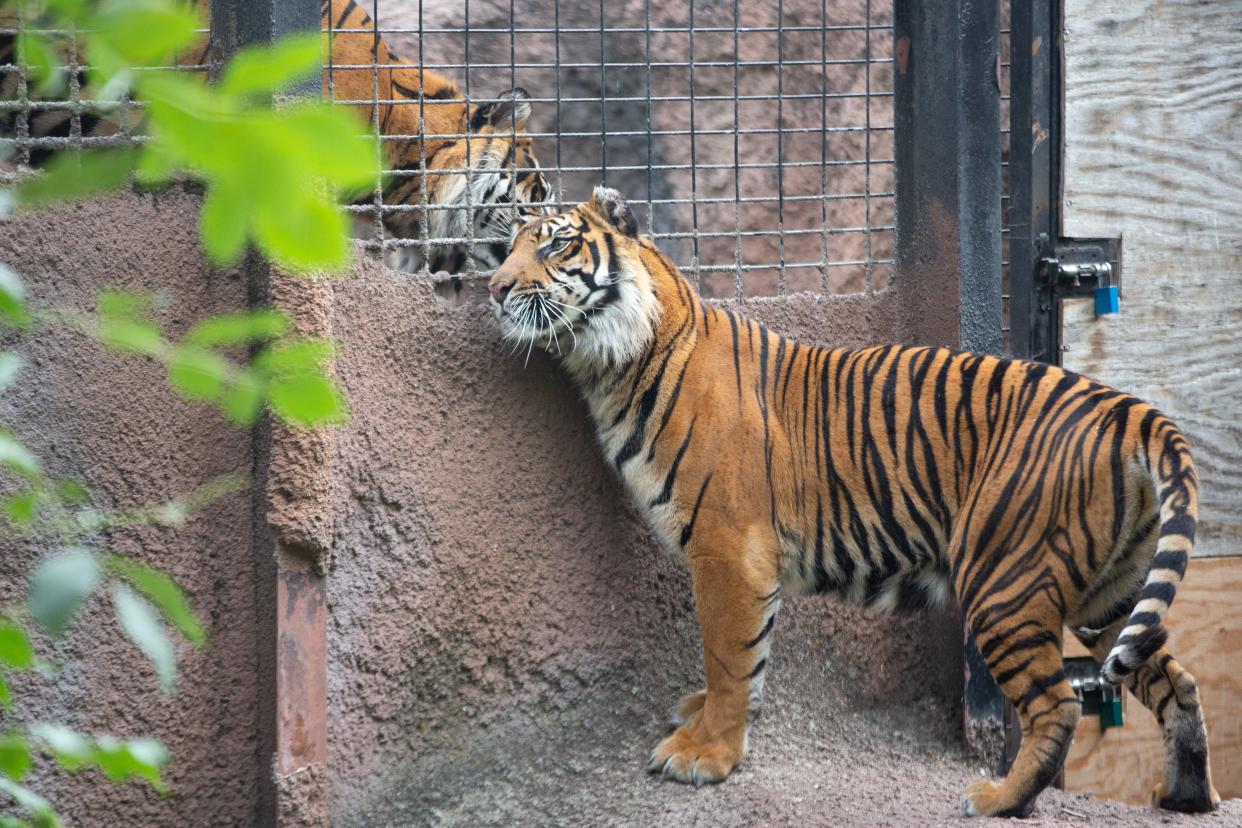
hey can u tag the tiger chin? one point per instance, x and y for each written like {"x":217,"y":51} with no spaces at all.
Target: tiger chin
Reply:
{"x":889,"y":476}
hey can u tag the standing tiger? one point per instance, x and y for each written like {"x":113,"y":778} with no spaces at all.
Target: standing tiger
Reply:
{"x":890,"y":476}
{"x":482,"y":179}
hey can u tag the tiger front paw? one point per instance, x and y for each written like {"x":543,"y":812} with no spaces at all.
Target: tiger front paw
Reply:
{"x":985,"y":798}
{"x":689,"y":756}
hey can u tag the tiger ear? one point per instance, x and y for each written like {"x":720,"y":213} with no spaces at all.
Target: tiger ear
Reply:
{"x":511,"y":112}
{"x":612,"y":206}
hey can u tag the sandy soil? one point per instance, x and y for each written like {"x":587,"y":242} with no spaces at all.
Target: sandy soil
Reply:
{"x":816,"y":758}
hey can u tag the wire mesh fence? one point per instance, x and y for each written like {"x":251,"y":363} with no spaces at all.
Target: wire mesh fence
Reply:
{"x":754,"y":141}
{"x":39,"y":119}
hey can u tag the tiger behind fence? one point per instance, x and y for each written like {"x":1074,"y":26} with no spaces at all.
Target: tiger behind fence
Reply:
{"x":890,"y":476}
{"x":481,"y":180}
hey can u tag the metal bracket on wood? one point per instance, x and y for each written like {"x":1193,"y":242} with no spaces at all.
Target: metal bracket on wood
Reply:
{"x":1077,"y":267}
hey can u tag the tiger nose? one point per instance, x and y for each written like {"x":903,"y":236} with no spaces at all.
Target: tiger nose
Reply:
{"x":500,"y":290}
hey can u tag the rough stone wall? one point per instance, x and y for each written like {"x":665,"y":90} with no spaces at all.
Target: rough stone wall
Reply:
{"x":111,"y":422}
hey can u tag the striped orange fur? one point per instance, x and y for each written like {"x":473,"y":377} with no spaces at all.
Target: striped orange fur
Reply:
{"x":891,"y":476}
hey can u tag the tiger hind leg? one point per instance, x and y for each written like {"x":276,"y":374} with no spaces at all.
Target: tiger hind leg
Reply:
{"x":1170,"y":693}
{"x":1023,"y":652}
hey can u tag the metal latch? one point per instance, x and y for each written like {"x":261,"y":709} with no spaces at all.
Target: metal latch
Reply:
{"x":1083,"y":267}
{"x":1098,"y":697}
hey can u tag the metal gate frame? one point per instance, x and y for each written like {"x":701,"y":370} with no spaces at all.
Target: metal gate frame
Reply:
{"x":1034,"y":176}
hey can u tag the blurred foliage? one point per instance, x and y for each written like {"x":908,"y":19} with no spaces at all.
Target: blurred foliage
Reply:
{"x":270,"y":172}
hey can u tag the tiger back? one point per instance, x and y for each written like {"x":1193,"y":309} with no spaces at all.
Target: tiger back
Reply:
{"x":892,"y":476}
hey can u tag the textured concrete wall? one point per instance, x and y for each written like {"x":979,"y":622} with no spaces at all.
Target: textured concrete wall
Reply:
{"x":489,"y":579}
{"x":111,"y":422}
{"x":490,"y":576}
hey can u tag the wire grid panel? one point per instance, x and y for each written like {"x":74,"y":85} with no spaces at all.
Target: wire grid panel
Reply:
{"x":754,"y":141}
{"x":40,"y":120}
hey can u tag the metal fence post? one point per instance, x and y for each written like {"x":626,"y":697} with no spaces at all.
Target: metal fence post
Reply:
{"x":948,"y":140}
{"x":291,"y":504}
{"x":1034,"y":167}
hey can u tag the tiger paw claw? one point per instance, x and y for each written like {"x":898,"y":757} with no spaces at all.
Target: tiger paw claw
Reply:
{"x":683,"y":758}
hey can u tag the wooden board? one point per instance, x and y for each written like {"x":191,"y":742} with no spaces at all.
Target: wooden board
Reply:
{"x":1205,"y":625}
{"x":1153,"y":109}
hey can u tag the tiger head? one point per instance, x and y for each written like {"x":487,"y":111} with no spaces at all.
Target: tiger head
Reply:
{"x":579,"y":285}
{"x":482,"y":182}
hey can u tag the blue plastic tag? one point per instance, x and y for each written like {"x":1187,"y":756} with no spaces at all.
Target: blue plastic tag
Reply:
{"x":1107,"y":300}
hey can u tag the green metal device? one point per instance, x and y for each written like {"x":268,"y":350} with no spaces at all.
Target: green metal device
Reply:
{"x":1098,"y":697}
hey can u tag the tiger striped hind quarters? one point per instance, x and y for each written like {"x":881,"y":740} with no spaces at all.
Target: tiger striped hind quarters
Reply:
{"x":890,"y":476}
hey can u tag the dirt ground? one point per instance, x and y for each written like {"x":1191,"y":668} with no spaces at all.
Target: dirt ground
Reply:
{"x":816,"y":757}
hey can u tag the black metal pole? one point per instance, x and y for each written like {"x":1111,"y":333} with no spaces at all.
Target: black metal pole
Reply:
{"x":1034,"y":166}
{"x":948,"y":140}
{"x":947,"y":114}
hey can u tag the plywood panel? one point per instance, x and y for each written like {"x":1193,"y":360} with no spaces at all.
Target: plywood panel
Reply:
{"x":1153,"y":104}
{"x":1205,"y":625}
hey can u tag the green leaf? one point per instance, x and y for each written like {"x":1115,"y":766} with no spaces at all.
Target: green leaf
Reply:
{"x":121,"y":761}
{"x":10,"y":365}
{"x":306,"y":399}
{"x":156,"y":165}
{"x":44,"y":816}
{"x":131,"y":335}
{"x":243,"y":400}
{"x":198,"y":374}
{"x":70,"y":176}
{"x":15,"y":649}
{"x":145,"y":32}
{"x":124,"y":324}
{"x":14,"y":756}
{"x":41,"y":60}
{"x":6,"y":700}
{"x":21,"y":509}
{"x":70,"y":749}
{"x":295,"y":356}
{"x":238,"y":328}
{"x":124,"y":304}
{"x":222,"y":224}
{"x":59,"y":585}
{"x":310,"y":234}
{"x":142,"y":626}
{"x":15,"y":456}
{"x":71,"y":492}
{"x":162,"y":591}
{"x":12,"y":298}
{"x":268,"y":69}
{"x":329,"y":141}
